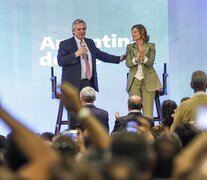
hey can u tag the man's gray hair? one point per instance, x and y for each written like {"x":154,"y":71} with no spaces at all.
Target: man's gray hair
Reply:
{"x":88,"y":94}
{"x":78,"y":21}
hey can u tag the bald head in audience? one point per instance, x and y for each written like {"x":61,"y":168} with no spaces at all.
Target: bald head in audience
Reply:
{"x":135,"y":102}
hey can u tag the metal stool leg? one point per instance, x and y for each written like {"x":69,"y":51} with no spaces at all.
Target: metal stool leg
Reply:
{"x":59,"y":118}
{"x":158,"y":107}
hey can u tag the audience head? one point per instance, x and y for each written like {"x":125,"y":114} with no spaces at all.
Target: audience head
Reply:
{"x":73,"y":170}
{"x":168,"y":108}
{"x":48,"y":136}
{"x":3,"y":146}
{"x":3,"y":142}
{"x":87,"y":95}
{"x":132,"y":146}
{"x":66,"y":146}
{"x":184,"y":99}
{"x":14,"y":157}
{"x":134,"y":102}
{"x":186,"y":133}
{"x":119,"y":169}
{"x":199,"y":81}
{"x":167,"y":146}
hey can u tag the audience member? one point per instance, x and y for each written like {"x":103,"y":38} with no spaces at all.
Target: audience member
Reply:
{"x":14,"y":158}
{"x":186,"y":132}
{"x":192,"y":160}
{"x":66,"y":146}
{"x":3,"y":147}
{"x":184,"y":99}
{"x":167,"y":146}
{"x":168,"y":110}
{"x":41,"y":158}
{"x":134,"y":147}
{"x":98,"y":134}
{"x":75,"y":171}
{"x":87,"y":98}
{"x":120,"y":169}
{"x":185,"y":112}
{"x":48,"y":136}
{"x":134,"y":108}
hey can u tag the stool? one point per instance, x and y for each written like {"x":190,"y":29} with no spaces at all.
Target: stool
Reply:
{"x":159,"y":93}
{"x":158,"y":107}
{"x":60,"y":121}
{"x":57,"y":95}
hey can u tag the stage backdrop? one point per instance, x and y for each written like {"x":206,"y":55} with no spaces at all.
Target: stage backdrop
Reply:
{"x":30,"y":32}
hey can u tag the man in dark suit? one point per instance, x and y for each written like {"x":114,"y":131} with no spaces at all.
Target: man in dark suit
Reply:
{"x":87,"y":98}
{"x":135,"y":108}
{"x":76,"y":52}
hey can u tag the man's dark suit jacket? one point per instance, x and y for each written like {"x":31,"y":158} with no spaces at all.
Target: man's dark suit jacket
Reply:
{"x":100,"y":114}
{"x":71,"y":66}
{"x":120,"y":123}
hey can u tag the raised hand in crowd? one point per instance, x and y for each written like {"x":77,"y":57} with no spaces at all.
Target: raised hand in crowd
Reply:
{"x":41,"y":157}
